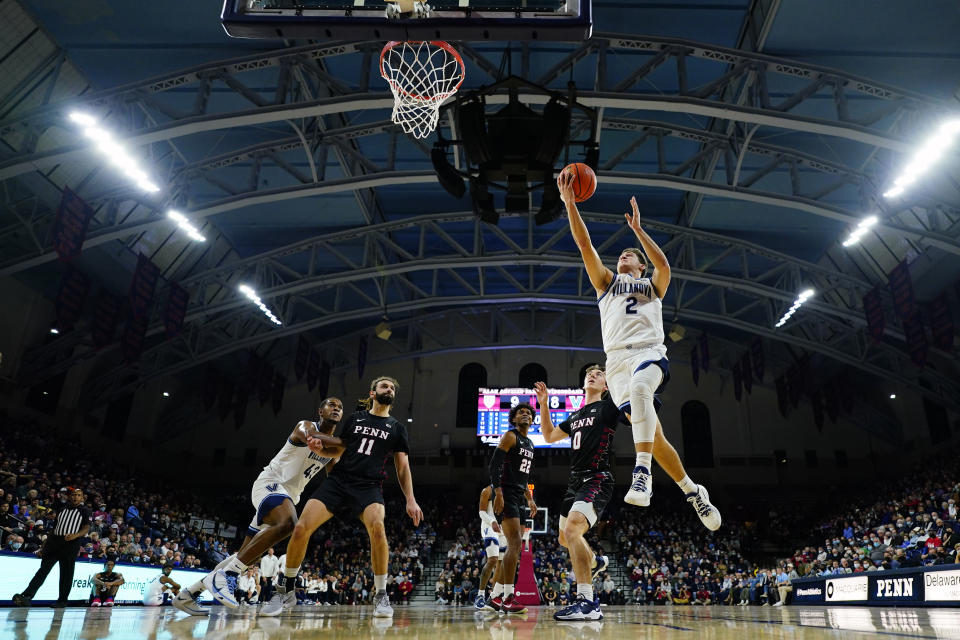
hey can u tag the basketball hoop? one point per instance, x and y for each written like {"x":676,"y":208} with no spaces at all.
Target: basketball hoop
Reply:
{"x":421,"y":74}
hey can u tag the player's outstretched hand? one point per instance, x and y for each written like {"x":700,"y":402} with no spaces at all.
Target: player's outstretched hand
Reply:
{"x":498,"y":501}
{"x":414,"y":511}
{"x":565,"y":185}
{"x":633,"y":219}
{"x":543,"y":397}
{"x":533,"y":508}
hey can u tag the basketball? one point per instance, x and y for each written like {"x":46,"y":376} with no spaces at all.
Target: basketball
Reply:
{"x":584,"y":182}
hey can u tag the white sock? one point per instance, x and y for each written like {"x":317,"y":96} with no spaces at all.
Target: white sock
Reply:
{"x":226,"y":562}
{"x":644,"y":460}
{"x":380,"y":582}
{"x":196,"y":588}
{"x":585,"y":590}
{"x":687,"y":485}
{"x":291,"y":572}
{"x":235,"y":566}
{"x":507,"y":591}
{"x":497,"y":590}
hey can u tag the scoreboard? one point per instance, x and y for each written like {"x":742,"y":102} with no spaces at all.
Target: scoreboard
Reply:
{"x":493,"y":412}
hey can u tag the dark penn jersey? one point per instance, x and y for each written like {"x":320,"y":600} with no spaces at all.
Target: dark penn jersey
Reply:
{"x":591,"y":431}
{"x":369,"y":441}
{"x":518,"y":463}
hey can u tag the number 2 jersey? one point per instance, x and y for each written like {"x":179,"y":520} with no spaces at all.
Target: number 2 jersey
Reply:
{"x":517,"y":464}
{"x":630,"y":313}
{"x":369,"y":441}
{"x":291,"y":469}
{"x":591,"y":431}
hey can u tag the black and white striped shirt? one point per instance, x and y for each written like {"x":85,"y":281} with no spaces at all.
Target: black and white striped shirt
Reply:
{"x":71,"y":519}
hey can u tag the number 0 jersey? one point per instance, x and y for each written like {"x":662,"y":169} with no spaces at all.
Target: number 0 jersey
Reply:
{"x":369,"y":440}
{"x":293,"y":467}
{"x":591,"y":431}
{"x":518,"y":463}
{"x":630,"y":313}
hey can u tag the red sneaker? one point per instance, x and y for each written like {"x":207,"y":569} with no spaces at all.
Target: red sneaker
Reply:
{"x":95,"y":602}
{"x":108,"y":603}
{"x":510,"y":605}
{"x":496,"y":603}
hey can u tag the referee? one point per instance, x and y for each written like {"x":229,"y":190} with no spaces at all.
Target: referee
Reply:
{"x":62,"y":546}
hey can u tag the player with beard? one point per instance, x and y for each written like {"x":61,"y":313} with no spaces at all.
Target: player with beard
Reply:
{"x":510,"y":467}
{"x":354,"y":488}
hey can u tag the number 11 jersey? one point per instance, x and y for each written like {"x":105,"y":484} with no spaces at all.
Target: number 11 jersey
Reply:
{"x":631,"y":313}
{"x":369,"y":440}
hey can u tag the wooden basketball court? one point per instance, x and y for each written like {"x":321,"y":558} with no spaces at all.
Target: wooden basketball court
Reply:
{"x":446,"y":623}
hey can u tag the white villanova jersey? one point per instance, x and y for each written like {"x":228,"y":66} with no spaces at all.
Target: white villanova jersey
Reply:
{"x":294,"y":466}
{"x":631,"y":314}
{"x":485,"y":531}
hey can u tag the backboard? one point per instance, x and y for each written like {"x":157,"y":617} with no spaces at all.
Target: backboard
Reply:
{"x":451,"y":20}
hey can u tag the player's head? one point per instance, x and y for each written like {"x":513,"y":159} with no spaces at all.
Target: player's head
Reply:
{"x":632,"y":261}
{"x":383,"y":389}
{"x":331,"y":409}
{"x":521,"y":415}
{"x":109,"y":565}
{"x":166,"y":570}
{"x":595,"y":378}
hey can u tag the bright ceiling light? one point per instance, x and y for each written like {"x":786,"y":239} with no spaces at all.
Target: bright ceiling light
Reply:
{"x":185,"y":225}
{"x":925,"y":157}
{"x":54,"y":330}
{"x":250,"y":293}
{"x":893,"y":396}
{"x":860,"y":229}
{"x":804,"y":295}
{"x":114,"y":151}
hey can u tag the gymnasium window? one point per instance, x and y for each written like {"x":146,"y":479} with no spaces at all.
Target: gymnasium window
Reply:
{"x":810,"y":455}
{"x":472,"y":377}
{"x":531,"y":373}
{"x":697,"y":435}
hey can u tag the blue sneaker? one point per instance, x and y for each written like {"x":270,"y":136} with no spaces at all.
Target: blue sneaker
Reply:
{"x":480,"y":604}
{"x":600,"y":564}
{"x":641,"y":488}
{"x":581,"y":609}
{"x":223,"y":587}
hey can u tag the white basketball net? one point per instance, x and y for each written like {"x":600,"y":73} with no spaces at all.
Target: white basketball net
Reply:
{"x":421,"y":74}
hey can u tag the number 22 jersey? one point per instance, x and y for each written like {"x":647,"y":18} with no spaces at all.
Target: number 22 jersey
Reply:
{"x":369,"y":440}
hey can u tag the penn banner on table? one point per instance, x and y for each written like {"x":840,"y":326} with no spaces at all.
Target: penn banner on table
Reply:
{"x":70,"y":227}
{"x":809,"y":591}
{"x":71,"y":298}
{"x":847,"y":589}
{"x":142,"y":286}
{"x":175,"y":310}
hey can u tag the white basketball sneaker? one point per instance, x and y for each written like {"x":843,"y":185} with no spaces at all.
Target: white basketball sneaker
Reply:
{"x":222,"y":587}
{"x":278,"y":603}
{"x":641,"y":488}
{"x":185,"y":602}
{"x":382,"y":608}
{"x":708,"y":513}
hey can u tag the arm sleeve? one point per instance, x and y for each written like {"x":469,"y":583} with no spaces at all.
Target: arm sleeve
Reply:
{"x":496,"y":466}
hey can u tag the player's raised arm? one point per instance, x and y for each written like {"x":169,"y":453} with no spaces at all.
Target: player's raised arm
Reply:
{"x":661,"y":266}
{"x":600,"y":276}
{"x":550,"y":433}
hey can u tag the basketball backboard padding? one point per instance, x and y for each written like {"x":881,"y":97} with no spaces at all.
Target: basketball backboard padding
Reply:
{"x":451,"y":20}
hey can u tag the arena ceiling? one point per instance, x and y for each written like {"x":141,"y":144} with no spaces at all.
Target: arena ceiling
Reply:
{"x":755,"y":135}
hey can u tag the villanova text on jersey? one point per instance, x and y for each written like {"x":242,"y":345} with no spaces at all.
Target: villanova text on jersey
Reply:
{"x":637,"y":287}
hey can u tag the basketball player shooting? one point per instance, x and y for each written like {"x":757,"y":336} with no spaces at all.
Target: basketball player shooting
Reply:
{"x":631,"y":323}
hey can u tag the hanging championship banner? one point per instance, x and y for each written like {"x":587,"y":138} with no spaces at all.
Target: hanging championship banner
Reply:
{"x":240,"y":406}
{"x":941,"y":322}
{"x":695,"y":365}
{"x":323,"y":385}
{"x":211,"y":384}
{"x":71,"y":298}
{"x":794,"y":385}
{"x":873,"y":311}
{"x":142,"y":287}
{"x":225,"y":399}
{"x":175,"y":310}
{"x":361,"y":356}
{"x":916,"y":338}
{"x":313,"y":369}
{"x":747,"y":370}
{"x":134,"y":335}
{"x":105,"y":319}
{"x":70,"y":227}
{"x":704,"y":353}
{"x":302,"y":357}
{"x":279,"y":386}
{"x":737,"y":382}
{"x":902,"y":289}
{"x":783,"y":401}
